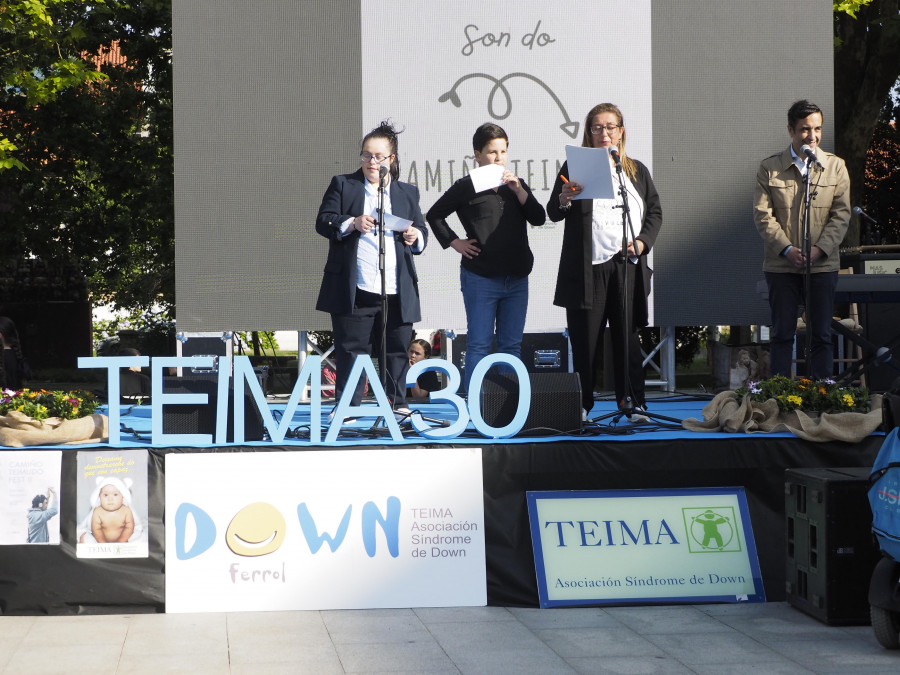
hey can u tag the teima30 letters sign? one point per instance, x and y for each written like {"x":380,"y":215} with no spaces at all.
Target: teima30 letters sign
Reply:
{"x":311,"y":374}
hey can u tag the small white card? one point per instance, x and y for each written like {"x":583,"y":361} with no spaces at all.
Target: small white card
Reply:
{"x":393,"y":223}
{"x":487,"y":177}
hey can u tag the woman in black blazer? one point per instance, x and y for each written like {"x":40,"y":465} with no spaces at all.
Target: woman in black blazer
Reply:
{"x":351,"y":284}
{"x":591,"y":263}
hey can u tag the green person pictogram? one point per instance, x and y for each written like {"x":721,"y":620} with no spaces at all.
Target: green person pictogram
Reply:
{"x":710,"y":523}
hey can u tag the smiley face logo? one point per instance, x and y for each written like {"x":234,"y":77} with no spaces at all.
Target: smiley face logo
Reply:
{"x":257,"y":529}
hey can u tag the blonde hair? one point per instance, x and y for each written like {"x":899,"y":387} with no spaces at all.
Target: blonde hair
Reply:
{"x":587,"y":140}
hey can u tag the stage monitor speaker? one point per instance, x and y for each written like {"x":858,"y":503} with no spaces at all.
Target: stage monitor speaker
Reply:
{"x":201,"y":419}
{"x":555,"y":402}
{"x":830,"y":550}
{"x":541,"y":352}
{"x":203,"y":344}
{"x":881,"y":325}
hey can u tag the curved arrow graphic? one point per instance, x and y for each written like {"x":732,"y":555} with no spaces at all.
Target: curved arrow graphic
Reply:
{"x":570,"y":127}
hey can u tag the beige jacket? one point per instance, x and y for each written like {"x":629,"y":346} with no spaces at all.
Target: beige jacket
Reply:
{"x":778,"y":209}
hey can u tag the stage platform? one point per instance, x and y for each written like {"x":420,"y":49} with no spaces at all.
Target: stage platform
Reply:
{"x":609,"y":454}
{"x":604,"y":424}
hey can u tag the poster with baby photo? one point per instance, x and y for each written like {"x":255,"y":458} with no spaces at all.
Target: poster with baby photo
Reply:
{"x":111,"y":503}
{"x":29,"y":496}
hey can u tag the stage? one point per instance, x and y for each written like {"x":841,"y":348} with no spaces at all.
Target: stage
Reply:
{"x":610,"y":454}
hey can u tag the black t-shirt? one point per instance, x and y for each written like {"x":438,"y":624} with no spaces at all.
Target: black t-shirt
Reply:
{"x":427,"y":381}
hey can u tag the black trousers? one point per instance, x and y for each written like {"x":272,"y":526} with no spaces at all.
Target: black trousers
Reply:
{"x":786,"y":294}
{"x":360,"y":333}
{"x":586,"y":328}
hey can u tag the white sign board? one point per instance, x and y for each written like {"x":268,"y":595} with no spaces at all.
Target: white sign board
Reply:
{"x":653,"y":546}
{"x":324,"y":530}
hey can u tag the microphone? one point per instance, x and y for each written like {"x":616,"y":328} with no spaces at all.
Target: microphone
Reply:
{"x":865,"y":216}
{"x":382,"y":172}
{"x":614,"y":153}
{"x":811,"y":156}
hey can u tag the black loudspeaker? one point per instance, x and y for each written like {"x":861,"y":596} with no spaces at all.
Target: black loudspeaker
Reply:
{"x":541,"y":352}
{"x":830,"y":550}
{"x":555,"y":402}
{"x":881,"y":326}
{"x":201,"y":419}
{"x":545,"y":352}
{"x":459,"y":353}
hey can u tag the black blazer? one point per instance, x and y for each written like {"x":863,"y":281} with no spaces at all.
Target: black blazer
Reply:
{"x":345,"y":198}
{"x":574,"y":282}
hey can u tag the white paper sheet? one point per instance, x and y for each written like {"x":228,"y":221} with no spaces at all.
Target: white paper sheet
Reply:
{"x":590,"y":167}
{"x":393,"y":223}
{"x":487,"y":177}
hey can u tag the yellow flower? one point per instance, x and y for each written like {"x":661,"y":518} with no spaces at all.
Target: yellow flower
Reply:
{"x":796,"y":400}
{"x":848,"y":400}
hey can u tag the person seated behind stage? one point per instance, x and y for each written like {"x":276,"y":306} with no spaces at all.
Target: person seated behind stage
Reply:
{"x":14,"y":368}
{"x":428,"y":381}
{"x":133,"y":384}
{"x":351,"y":285}
{"x":495,"y":257}
{"x":744,"y":370}
{"x":111,"y":519}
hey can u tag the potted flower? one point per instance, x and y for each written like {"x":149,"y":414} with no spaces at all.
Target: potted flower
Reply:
{"x":808,"y":396}
{"x":41,"y":405}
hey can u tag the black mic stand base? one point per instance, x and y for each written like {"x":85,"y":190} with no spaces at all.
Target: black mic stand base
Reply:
{"x":640,"y":414}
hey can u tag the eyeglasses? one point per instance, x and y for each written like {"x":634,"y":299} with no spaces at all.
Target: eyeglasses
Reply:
{"x":598,"y":129}
{"x":367,"y":157}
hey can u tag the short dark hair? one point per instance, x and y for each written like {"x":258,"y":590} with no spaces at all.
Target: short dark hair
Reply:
{"x":486,"y":133}
{"x":37,"y":501}
{"x":800,"y":110}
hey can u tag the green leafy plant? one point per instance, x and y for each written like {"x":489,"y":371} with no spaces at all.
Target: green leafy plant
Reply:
{"x":40,"y":405}
{"x":821,"y":396}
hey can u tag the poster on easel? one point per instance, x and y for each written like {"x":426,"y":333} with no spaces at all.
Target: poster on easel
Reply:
{"x":112,"y":504}
{"x":29,"y":497}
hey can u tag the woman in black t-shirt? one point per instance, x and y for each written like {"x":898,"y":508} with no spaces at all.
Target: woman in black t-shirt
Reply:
{"x":427,"y":382}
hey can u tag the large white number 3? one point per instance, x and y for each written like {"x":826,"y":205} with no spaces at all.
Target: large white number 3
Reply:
{"x":447,"y":394}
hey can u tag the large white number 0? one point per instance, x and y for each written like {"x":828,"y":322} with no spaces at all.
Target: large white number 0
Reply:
{"x":524,"y":404}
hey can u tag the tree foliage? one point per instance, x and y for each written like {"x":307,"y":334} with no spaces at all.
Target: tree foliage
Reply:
{"x":882,"y":196}
{"x":37,"y":57}
{"x":866,"y":67}
{"x":96,"y":183}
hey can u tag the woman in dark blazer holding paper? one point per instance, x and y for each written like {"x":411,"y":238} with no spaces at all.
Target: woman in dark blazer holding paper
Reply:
{"x":591,"y":262}
{"x":351,"y":285}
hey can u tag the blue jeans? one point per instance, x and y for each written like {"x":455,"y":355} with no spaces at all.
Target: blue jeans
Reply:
{"x":490,"y":302}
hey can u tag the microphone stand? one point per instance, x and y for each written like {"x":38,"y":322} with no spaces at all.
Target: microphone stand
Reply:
{"x":807,"y":268}
{"x":625,"y":308}
{"x":382,"y":355}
